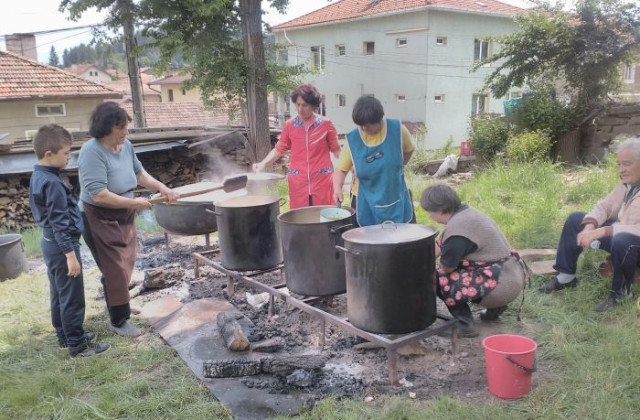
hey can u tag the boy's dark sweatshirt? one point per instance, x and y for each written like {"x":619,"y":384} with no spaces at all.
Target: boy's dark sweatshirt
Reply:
{"x":54,"y":208}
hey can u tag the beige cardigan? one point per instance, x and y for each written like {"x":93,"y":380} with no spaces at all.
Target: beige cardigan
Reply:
{"x":626,"y":217}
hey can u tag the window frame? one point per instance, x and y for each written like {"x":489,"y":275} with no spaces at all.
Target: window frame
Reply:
{"x":49,"y":105}
{"x":170,"y":95}
{"x":401,"y":98}
{"x":339,"y":48}
{"x":442,"y":43}
{"x":399,"y":43}
{"x":439,"y":98}
{"x":365,"y":49}
{"x":629,"y":73}
{"x":318,"y":51}
{"x":341,"y":100}
{"x":478,"y":51}
{"x":475,"y":102}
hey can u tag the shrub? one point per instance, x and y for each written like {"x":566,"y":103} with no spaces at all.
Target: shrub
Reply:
{"x":540,"y":111}
{"x":529,"y":146}
{"x":489,"y":135}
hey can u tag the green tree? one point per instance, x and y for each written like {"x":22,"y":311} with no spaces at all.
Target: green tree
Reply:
{"x":209,"y":36}
{"x":585,"y":48}
{"x":54,"y":60}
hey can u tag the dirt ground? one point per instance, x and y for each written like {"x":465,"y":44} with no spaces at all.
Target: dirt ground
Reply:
{"x":426,"y":367}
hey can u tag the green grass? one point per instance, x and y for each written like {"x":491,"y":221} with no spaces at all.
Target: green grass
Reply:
{"x":589,"y":364}
{"x":134,"y":380}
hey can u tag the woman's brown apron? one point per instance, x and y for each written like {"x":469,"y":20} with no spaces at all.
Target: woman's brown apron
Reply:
{"x":114,"y":237}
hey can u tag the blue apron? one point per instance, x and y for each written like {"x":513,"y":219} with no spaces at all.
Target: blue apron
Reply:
{"x":382,"y":191}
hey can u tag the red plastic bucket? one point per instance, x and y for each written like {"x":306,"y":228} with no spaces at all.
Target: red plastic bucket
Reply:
{"x":511,"y":360}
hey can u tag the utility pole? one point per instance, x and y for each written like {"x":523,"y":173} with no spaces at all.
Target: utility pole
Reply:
{"x":257,"y":108}
{"x":126,"y":6}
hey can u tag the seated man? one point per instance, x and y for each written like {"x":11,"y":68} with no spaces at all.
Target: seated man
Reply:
{"x":615,"y":223}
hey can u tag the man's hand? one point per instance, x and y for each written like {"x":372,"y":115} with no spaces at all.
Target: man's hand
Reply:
{"x":589,"y":235}
{"x":73,"y":265}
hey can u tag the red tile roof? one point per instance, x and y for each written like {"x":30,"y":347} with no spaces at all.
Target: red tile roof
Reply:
{"x":172,"y":80}
{"x":179,"y":114}
{"x":357,"y":9}
{"x":21,"y":78}
{"x":123,"y":85}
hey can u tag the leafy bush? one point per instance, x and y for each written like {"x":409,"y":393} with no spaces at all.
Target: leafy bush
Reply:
{"x":529,"y":146}
{"x":489,"y":135}
{"x":540,"y":111}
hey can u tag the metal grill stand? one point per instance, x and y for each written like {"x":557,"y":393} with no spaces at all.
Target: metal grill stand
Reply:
{"x":390,"y":344}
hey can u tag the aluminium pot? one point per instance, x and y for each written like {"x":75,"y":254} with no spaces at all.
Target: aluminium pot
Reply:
{"x":314,"y":267}
{"x":390,"y":277}
{"x":248,"y":232}
{"x":13,"y":261}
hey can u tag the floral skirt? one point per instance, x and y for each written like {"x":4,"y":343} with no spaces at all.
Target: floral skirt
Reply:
{"x":470,"y":281}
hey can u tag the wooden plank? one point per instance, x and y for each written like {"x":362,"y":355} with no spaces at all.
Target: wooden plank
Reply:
{"x":542,"y":268}
{"x":536,"y":254}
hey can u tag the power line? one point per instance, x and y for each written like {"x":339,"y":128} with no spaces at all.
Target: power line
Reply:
{"x":51,"y":31}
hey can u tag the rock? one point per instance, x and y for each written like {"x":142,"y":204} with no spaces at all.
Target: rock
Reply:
{"x":300,"y":378}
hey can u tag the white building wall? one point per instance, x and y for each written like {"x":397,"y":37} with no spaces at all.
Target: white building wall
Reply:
{"x":419,"y":70}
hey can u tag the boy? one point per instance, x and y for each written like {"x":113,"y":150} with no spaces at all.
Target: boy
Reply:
{"x":56,"y":212}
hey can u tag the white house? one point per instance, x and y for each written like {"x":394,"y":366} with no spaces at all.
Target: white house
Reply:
{"x":413,"y":55}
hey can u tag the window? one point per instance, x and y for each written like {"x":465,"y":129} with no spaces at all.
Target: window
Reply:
{"x":170,"y":93}
{"x":282,"y":55}
{"x":480,"y":49}
{"x":323,"y":108}
{"x":317,"y":57}
{"x":479,"y":104}
{"x":50,"y":110}
{"x":514,"y":95}
{"x":441,"y":40}
{"x":438,"y":98}
{"x":401,"y":42}
{"x":400,"y":97}
{"x":340,"y":50}
{"x":184,"y":91}
{"x":368,"y":48}
{"x":629,"y":73}
{"x":341,"y":100}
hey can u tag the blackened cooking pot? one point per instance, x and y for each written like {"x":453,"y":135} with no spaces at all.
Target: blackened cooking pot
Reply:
{"x":192,"y":215}
{"x":390,"y":270}
{"x":313,"y":266}
{"x":248,"y":232}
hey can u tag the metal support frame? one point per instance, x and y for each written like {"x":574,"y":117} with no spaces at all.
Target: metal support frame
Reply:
{"x":390,"y":344}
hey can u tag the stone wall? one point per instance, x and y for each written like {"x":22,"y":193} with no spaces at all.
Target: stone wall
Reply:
{"x":617,"y":120}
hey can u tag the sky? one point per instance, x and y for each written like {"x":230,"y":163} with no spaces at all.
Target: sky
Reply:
{"x":20,"y":16}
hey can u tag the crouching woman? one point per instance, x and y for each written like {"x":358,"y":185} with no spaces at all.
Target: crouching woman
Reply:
{"x":476,"y":262}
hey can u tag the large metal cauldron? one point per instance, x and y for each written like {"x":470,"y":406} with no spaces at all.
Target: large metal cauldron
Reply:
{"x":192,"y":215}
{"x":248,"y":232}
{"x":390,"y":269}
{"x":314,"y":267}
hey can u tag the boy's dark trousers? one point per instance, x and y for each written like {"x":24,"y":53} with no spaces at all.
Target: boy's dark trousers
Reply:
{"x":66,"y":293}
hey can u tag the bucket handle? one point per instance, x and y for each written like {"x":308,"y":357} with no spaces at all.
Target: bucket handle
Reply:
{"x":337,"y":229}
{"x":213,"y":212}
{"x":347,"y":250}
{"x":530,"y":370}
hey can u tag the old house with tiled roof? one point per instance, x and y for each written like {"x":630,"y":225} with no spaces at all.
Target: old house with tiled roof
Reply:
{"x":413,"y":55}
{"x":90,"y":72}
{"x":34,"y":94}
{"x":173,"y":89}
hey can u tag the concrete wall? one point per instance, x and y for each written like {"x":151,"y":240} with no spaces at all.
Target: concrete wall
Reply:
{"x":417,"y":70}
{"x":95,"y":75}
{"x":16,"y":117}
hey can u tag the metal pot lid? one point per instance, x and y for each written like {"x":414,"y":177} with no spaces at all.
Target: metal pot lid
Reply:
{"x":248,"y":201}
{"x":389,"y":233}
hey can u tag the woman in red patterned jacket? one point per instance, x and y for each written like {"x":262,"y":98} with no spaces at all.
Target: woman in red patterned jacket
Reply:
{"x":310,"y":138}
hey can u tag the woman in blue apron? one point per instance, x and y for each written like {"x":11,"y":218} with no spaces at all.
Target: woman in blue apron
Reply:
{"x":377,"y":149}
